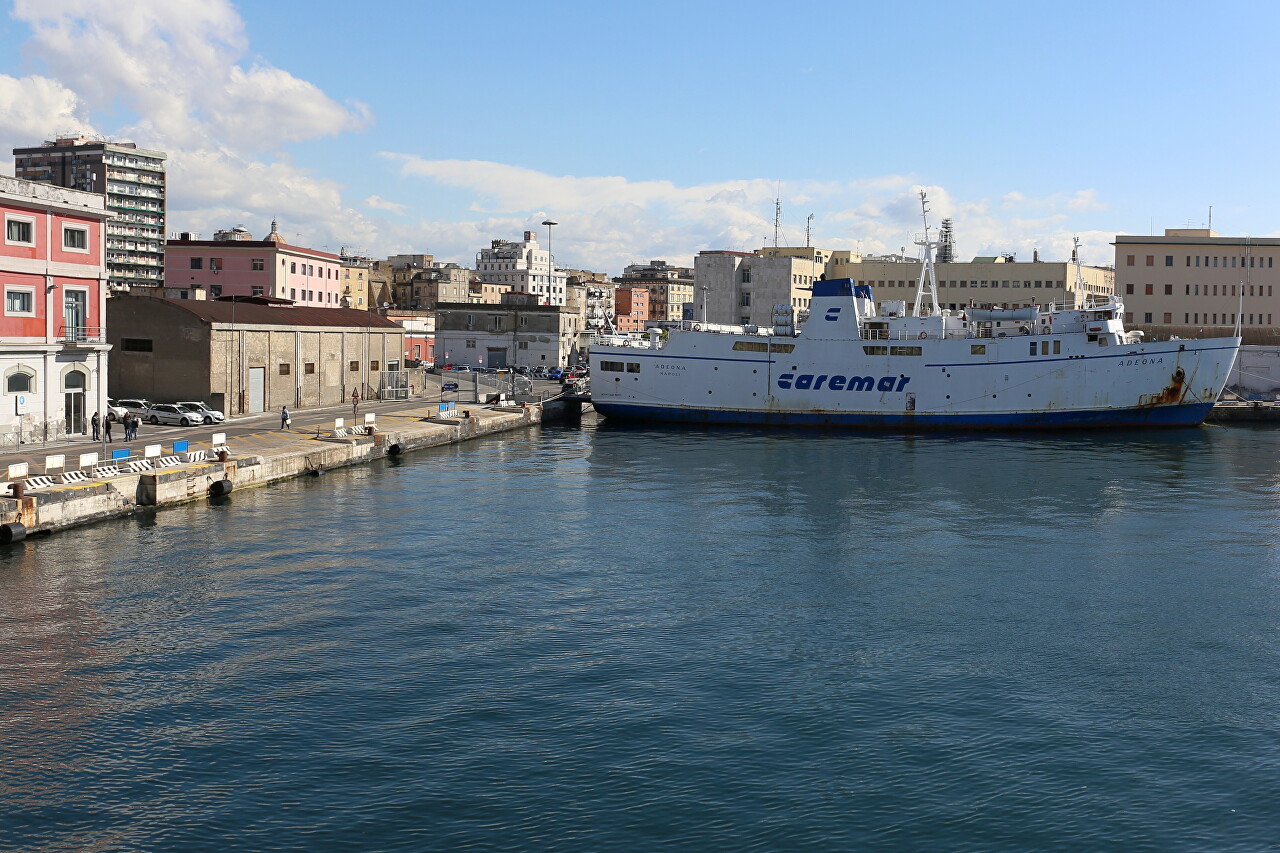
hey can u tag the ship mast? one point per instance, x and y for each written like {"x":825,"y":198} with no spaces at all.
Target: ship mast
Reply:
{"x":928,"y":278}
{"x":1080,"y":285}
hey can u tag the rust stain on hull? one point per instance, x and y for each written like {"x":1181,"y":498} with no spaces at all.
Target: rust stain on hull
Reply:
{"x":1173,"y":393}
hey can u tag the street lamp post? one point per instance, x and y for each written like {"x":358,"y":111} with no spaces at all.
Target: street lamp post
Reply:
{"x":551,"y":269}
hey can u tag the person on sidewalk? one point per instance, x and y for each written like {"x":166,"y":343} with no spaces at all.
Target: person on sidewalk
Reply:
{"x":106,"y":429}
{"x":95,"y":423}
{"x":285,"y":420}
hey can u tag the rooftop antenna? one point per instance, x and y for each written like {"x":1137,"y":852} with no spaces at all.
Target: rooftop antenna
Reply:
{"x":777,"y":220}
{"x":1210,"y":217}
{"x":928,"y":279}
{"x":808,"y":231}
{"x":947,"y":243}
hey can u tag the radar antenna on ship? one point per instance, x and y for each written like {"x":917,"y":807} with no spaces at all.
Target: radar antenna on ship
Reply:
{"x":928,"y":278}
{"x":1081,"y":289}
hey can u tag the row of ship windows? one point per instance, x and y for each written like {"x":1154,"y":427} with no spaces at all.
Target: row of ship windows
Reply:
{"x":967,"y":283}
{"x":1195,"y":260}
{"x":618,"y":366}
{"x":1194,"y":290}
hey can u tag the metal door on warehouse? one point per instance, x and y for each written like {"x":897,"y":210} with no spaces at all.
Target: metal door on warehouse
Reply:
{"x":257,"y":389}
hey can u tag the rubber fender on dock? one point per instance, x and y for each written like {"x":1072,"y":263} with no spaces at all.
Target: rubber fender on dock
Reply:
{"x":14,"y":531}
{"x":395,"y":449}
{"x":219,"y":488}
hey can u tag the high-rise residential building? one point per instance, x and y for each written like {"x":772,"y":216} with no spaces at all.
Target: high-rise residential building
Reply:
{"x":670,"y":287}
{"x":133,"y":181}
{"x":1193,"y":277}
{"x":525,"y":266}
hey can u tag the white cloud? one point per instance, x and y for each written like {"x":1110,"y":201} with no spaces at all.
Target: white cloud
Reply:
{"x":377,"y":202}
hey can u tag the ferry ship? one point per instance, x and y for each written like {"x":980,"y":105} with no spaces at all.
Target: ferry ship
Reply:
{"x":1043,"y":367}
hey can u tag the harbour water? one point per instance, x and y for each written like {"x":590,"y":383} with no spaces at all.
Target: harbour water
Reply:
{"x":633,"y":638}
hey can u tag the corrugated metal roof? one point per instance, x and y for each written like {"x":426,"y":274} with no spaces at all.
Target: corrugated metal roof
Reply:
{"x":266,"y":315}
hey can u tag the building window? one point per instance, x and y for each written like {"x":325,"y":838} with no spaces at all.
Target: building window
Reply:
{"x":19,"y":301}
{"x":745,"y":301}
{"x":309,"y":368}
{"x":284,"y":369}
{"x":75,"y":239}
{"x":215,"y":290}
{"x":293,"y":293}
{"x":1168,"y":290}
{"x":135,"y":344}
{"x":355,"y":367}
{"x":1151,"y":260}
{"x":18,"y":383}
{"x":257,"y":290}
{"x":259,"y":264}
{"x":215,"y":264}
{"x":197,"y":263}
{"x":293,"y":266}
{"x":1168,"y":317}
{"x":1128,"y":260}
{"x":522,"y":345}
{"x":471,"y":344}
{"x":373,"y":365}
{"x":19,"y":232}
{"x":1149,"y":290}
{"x":746,"y":275}
{"x":1128,"y":289}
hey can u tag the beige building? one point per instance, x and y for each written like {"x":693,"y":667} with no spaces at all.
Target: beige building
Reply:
{"x":981,"y":283}
{"x":506,"y":335}
{"x":1192,"y":279}
{"x":245,"y":357}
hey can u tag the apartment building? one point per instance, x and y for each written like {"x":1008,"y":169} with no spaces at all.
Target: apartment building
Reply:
{"x":1192,"y":278}
{"x":524,"y":266}
{"x":247,"y":267}
{"x":631,"y":308}
{"x":53,"y":353}
{"x":670,"y":287}
{"x":133,"y":182}
{"x":743,"y":287}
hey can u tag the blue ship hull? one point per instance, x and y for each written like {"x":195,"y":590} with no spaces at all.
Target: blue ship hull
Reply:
{"x":1184,"y":415}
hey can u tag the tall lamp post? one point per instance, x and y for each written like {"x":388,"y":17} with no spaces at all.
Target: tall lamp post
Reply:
{"x":551,"y":269}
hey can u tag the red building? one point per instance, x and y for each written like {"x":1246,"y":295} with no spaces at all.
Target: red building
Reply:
{"x":631,"y":307}
{"x":52,"y":350}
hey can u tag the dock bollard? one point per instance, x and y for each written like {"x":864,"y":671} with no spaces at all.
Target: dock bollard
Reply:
{"x":18,"y":489}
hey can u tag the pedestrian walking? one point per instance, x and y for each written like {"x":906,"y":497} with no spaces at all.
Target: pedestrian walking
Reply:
{"x":285,"y":420}
{"x":137,"y":423}
{"x":106,"y":429}
{"x":95,"y":423}
{"x":355,"y":403}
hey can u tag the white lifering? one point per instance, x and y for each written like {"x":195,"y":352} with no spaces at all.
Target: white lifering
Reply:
{"x":924,"y":335}
{"x":697,"y":327}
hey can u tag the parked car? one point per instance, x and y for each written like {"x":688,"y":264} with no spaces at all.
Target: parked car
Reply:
{"x":115,"y":411}
{"x":170,"y":413}
{"x":211,"y":416}
{"x":556,"y":373}
{"x":449,"y":386}
{"x":136,"y":406}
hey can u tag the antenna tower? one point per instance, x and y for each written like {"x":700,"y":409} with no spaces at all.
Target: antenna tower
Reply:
{"x":777,"y":220}
{"x":946,"y":244}
{"x":808,"y":231}
{"x":928,"y":284}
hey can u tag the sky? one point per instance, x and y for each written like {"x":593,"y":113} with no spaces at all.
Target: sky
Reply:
{"x":656,"y":130}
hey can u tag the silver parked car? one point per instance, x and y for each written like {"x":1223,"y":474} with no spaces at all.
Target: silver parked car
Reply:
{"x":168,"y":413}
{"x":211,"y":416}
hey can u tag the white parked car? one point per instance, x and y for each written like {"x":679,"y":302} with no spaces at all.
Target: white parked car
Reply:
{"x":115,"y":411}
{"x":138,"y":407}
{"x":211,"y":416}
{"x":169,"y":413}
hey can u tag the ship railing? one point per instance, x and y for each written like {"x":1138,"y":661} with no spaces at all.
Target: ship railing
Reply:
{"x":918,"y":335}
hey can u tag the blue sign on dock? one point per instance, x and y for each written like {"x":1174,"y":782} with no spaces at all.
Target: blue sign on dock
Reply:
{"x":180,"y":446}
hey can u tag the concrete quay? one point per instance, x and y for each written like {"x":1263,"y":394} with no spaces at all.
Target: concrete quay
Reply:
{"x":250,"y":458}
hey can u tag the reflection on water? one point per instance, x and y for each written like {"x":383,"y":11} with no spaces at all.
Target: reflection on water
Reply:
{"x":625,"y":637}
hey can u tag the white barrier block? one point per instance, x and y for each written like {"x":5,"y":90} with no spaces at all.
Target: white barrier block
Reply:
{"x":17,"y":470}
{"x":55,"y":463}
{"x":370,"y":418}
{"x":151,"y":451}
{"x":339,"y":423}
{"x":219,"y":438}
{"x":88,"y":460}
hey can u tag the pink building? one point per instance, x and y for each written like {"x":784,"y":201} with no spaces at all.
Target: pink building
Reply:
{"x":53,"y":354}
{"x":238,"y":265}
{"x":631,"y":307}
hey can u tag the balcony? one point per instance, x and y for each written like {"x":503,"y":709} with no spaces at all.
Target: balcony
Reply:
{"x":77,"y":335}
